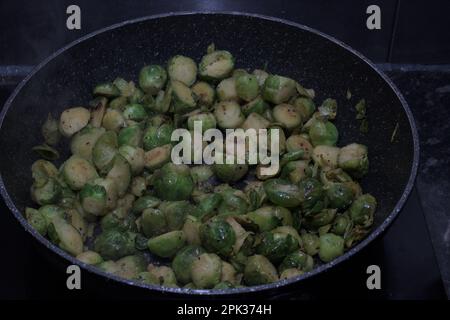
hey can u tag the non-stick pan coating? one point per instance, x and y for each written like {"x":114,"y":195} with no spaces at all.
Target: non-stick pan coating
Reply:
{"x":315,"y":60}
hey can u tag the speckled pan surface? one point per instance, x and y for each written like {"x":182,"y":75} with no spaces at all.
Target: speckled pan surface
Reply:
{"x":314,"y":59}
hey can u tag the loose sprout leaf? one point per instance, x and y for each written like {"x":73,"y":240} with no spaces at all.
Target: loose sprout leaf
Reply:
{"x":364,"y":126}
{"x":328,"y":109}
{"x":360,"y":108}
{"x":348,"y":95}
{"x":211,"y":48}
{"x":394,"y":133}
{"x":46,"y":152}
{"x":309,"y":93}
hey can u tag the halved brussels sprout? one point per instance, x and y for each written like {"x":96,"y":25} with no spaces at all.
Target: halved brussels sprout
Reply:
{"x":159,"y":275}
{"x":265,"y":218}
{"x":135,"y":157}
{"x":183,"y":69}
{"x":113,"y":120}
{"x":290,"y":273}
{"x":230,"y":172}
{"x":90,"y":257}
{"x":326,"y":156}
{"x":65,"y":236}
{"x":275,"y":245}
{"x":282,"y":193}
{"x":201,"y":173}
{"x":362,"y":210}
{"x":258,"y":105}
{"x":278,"y":89}
{"x":255,"y":121}
{"x":143,"y":203}
{"x":83,"y":141}
{"x":131,"y":266}
{"x":49,"y":193}
{"x":104,"y":151}
{"x":259,"y":270}
{"x":312,"y":196}
{"x":305,"y":106}
{"x":206,"y":271}
{"x":191,"y":230}
{"x":115,"y":244}
{"x":73,"y":120}
{"x":135,"y":112}
{"x":152,"y":78}
{"x":204,"y":93}
{"x":131,"y":136}
{"x":298,"y":260}
{"x":228,"y":115}
{"x":182,"y":263}
{"x":106,"y":89}
{"x":173,"y":182}
{"x":120,"y":173}
{"x":175,"y":213}
{"x":287,"y":116}
{"x":207,"y":120}
{"x":157,"y":157}
{"x":331,"y":247}
{"x":93,"y":199}
{"x":247,"y":87}
{"x":297,"y":142}
{"x":77,"y":172}
{"x":226,"y":90}
{"x":168,"y":244}
{"x":353,"y":159}
{"x":216,"y":65}
{"x":217,"y":236}
{"x":157,"y":135}
{"x":234,"y":202}
{"x":36,"y":220}
{"x":311,"y":243}
{"x":153,"y":222}
{"x":182,"y":97}
{"x":339,"y":195}
{"x":323,"y":133}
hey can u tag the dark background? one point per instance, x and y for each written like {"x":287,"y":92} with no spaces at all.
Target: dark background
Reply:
{"x":413,"y":48}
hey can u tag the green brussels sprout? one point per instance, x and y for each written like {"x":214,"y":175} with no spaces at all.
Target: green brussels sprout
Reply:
{"x":326,"y":156}
{"x":104,"y":151}
{"x":282,"y":193}
{"x":175,"y":213}
{"x":216,"y":65}
{"x":126,"y":88}
{"x":138,"y":186}
{"x":217,"y":236}
{"x":182,"y":97}
{"x":183,"y":69}
{"x":131,"y":136}
{"x":135,"y":112}
{"x":109,"y":267}
{"x":354,"y":160}
{"x":173,"y":182}
{"x":254,"y":191}
{"x":284,"y":215}
{"x":49,"y":193}
{"x":168,"y":244}
{"x":157,"y":157}
{"x":204,"y":93}
{"x":134,"y":156}
{"x":36,"y":220}
{"x":159,"y":275}
{"x":229,"y":274}
{"x":261,"y":76}
{"x":223,"y":285}
{"x":84,"y":141}
{"x":312,"y":196}
{"x":207,"y":120}
{"x":228,"y":115}
{"x":290,"y":273}
{"x":259,"y":270}
{"x":258,"y":105}
{"x":234,"y":202}
{"x":239,"y":72}
{"x":265,"y":218}
{"x":153,"y":222}
{"x":247,"y":87}
{"x":207,"y":206}
{"x":298,"y":260}
{"x":294,"y":170}
{"x":255,"y":121}
{"x":278,"y":89}
{"x":230,"y":172}
{"x":305,"y":106}
{"x":152,"y":78}
{"x":50,"y":131}
{"x":206,"y":270}
{"x":320,"y":219}
{"x":131,"y":266}
{"x":156,"y":136}
{"x":90,"y":257}
{"x":76,"y":219}
{"x":275,"y":245}
{"x":143,"y":203}
{"x":93,"y":199}
{"x":323,"y":133}
{"x":191,"y":230}
{"x":115,"y":244}
{"x":339,"y":195}
{"x":113,"y":120}
{"x":73,"y":120}
{"x":107,"y":89}
{"x":363,"y":209}
{"x":77,"y":172}
{"x":120,"y":173}
{"x":201,"y":173}
{"x":328,"y":109}
{"x":182,"y":263}
{"x":311,"y":243}
{"x":287,"y":116}
{"x":41,"y":171}
{"x":342,"y":224}
{"x":50,"y":212}
{"x":111,"y":192}
{"x":65,"y":236}
{"x":226,"y":90}
{"x":118,"y":103}
{"x":162,"y":101}
{"x":331,"y":247}
{"x":289,"y":230}
{"x":297,"y":142}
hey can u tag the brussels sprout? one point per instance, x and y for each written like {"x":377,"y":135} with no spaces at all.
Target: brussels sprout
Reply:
{"x":226,"y":90}
{"x":73,"y":120}
{"x":339,"y":195}
{"x":228,"y":115}
{"x":298,"y":260}
{"x":265,"y":218}
{"x":182,"y":263}
{"x":135,"y":157}
{"x":328,"y":109}
{"x":49,"y":193}
{"x":323,"y":133}
{"x":116,"y":222}
{"x":41,"y":171}
{"x":320,"y":219}
{"x":204,"y":93}
{"x":138,"y":186}
{"x":153,"y":222}
{"x":162,"y":101}
{"x":143,"y":203}
{"x":109,"y":267}
{"x":126,"y":88}
{"x":228,"y":274}
{"x":247,"y":87}
{"x":223,"y":285}
{"x":353,"y":159}
{"x":297,"y":142}
{"x":65,"y":236}
{"x":173,"y":182}
{"x":331,"y":247}
{"x":288,"y":229}
{"x":311,"y":196}
{"x":201,"y":173}
{"x":182,"y":97}
{"x":326,"y":156}
{"x":191,"y":230}
{"x":93,"y":199}
{"x":216,"y":65}
{"x":287,"y":116}
{"x":156,"y":136}
{"x":290,"y":273}
{"x":131,"y":266}
{"x":230,"y":172}
{"x":282,"y":193}
{"x":135,"y":112}
{"x":152,"y":78}
{"x":207,"y":120}
{"x":234,"y":202}
{"x":83,"y":141}
{"x":157,"y":157}
{"x":258,"y":105}
{"x":77,"y":172}
{"x":278,"y":89}
{"x":162,"y":275}
{"x":107,"y":89}
{"x":104,"y":150}
{"x":305,"y":106}
{"x":50,"y":131}
{"x":284,"y":215}
{"x":175,"y":213}
{"x":131,"y":136}
{"x":118,"y":103}
{"x":90,"y":257}
{"x":115,"y":244}
{"x":362,"y":210}
{"x":50,"y":212}
{"x":294,"y":170}
{"x":261,"y":76}
{"x":342,"y":224}
{"x":206,"y":270}
{"x":259,"y":270}
{"x":111,"y":192}
{"x":217,"y":236}
{"x":255,"y":121}
{"x":275,"y":245}
{"x":255,"y":193}
{"x":168,"y":244}
{"x":120,"y":173}
{"x":311,"y":243}
{"x":239,"y":72}
{"x":183,"y":69}
{"x":36,"y":220}
{"x":113,"y":120}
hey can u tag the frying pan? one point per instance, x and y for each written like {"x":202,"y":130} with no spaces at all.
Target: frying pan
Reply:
{"x":314,"y":59}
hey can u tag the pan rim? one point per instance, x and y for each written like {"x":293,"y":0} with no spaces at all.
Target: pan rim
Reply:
{"x":227,"y":292}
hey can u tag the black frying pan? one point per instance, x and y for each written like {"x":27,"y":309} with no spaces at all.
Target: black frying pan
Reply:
{"x":314,"y":59}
